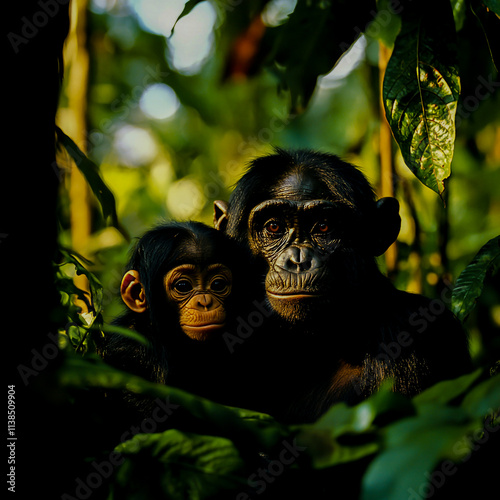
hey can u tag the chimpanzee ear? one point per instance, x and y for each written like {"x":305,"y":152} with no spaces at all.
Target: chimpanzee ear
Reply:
{"x":387,"y":224}
{"x":132,"y":292}
{"x":220,"y":215}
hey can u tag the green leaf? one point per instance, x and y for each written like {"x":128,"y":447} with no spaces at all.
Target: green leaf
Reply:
{"x":313,"y":40}
{"x":342,"y":419}
{"x":68,"y":286}
{"x":126,"y":332}
{"x":413,"y":448}
{"x":241,"y":426}
{"x":188,"y":7}
{"x":490,"y":24}
{"x":493,"y":5}
{"x":421,"y":89}
{"x":447,"y":390}
{"x":459,"y":8}
{"x":470,"y":283}
{"x":483,"y":399}
{"x":386,"y":23}
{"x":96,"y":289}
{"x":186,"y":465}
{"x":91,"y":172}
{"x":347,"y":433}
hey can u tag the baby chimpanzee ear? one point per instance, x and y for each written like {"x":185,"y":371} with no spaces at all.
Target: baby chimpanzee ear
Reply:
{"x":132,"y":292}
{"x":386,"y":225}
{"x":220,"y":215}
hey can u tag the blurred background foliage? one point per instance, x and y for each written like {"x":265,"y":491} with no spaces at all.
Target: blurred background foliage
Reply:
{"x":172,"y":115}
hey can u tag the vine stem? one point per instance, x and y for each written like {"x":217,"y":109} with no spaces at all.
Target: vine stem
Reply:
{"x":386,"y":157}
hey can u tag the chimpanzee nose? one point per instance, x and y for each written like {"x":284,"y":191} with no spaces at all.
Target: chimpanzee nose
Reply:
{"x":297,"y":259}
{"x":204,"y":301}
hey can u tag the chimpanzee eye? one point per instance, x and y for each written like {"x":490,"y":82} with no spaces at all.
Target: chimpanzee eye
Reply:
{"x":183,"y":286}
{"x":321,"y":227}
{"x":218,"y":285}
{"x":274,"y":227}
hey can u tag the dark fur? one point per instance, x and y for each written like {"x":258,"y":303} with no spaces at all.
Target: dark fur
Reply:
{"x":171,"y":357}
{"x":363,"y":331}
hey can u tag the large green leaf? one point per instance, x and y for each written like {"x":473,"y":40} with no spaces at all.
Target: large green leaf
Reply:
{"x":413,"y":447}
{"x":484,"y":398}
{"x":91,"y":172}
{"x":447,"y":390}
{"x":421,"y":89}
{"x":313,"y":39}
{"x":470,"y":283}
{"x":186,"y":466}
{"x":347,"y":433}
{"x":246,"y":427}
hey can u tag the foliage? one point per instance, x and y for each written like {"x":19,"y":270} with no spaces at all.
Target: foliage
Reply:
{"x":449,"y":420}
{"x":406,"y":441}
{"x":470,"y":283}
{"x":229,"y":111}
{"x":421,"y":90}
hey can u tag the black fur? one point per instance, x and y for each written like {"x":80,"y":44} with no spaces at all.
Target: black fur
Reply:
{"x":171,"y":357}
{"x":359,"y":331}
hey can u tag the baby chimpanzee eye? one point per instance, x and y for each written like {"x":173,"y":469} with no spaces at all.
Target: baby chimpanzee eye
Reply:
{"x":183,"y":286}
{"x":218,"y":285}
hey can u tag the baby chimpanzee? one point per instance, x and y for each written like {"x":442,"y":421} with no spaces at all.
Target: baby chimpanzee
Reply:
{"x":183,"y":288}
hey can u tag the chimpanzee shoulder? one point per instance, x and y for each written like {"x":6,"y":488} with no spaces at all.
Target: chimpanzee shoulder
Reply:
{"x":314,"y":225}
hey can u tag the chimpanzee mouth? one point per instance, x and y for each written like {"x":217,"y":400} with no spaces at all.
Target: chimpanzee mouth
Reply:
{"x":293,"y":295}
{"x":203,"y":328}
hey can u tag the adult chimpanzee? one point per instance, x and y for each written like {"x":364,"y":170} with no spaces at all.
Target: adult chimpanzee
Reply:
{"x":343,"y":329}
{"x":182,"y":289}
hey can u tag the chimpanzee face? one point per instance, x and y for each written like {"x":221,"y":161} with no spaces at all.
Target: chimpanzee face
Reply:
{"x":298,"y":238}
{"x":314,"y":221}
{"x":181,"y":280}
{"x":199,"y":294}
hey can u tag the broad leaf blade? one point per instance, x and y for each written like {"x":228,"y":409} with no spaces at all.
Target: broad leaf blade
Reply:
{"x":188,"y":465}
{"x":470,"y":283}
{"x":313,"y":40}
{"x":244,"y":427}
{"x":420,"y":92}
{"x":445,"y":391}
{"x":413,"y":447}
{"x":347,"y":433}
{"x":91,"y":173}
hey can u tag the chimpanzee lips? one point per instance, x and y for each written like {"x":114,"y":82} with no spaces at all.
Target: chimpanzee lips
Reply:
{"x":293,"y":295}
{"x":206,"y":327}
